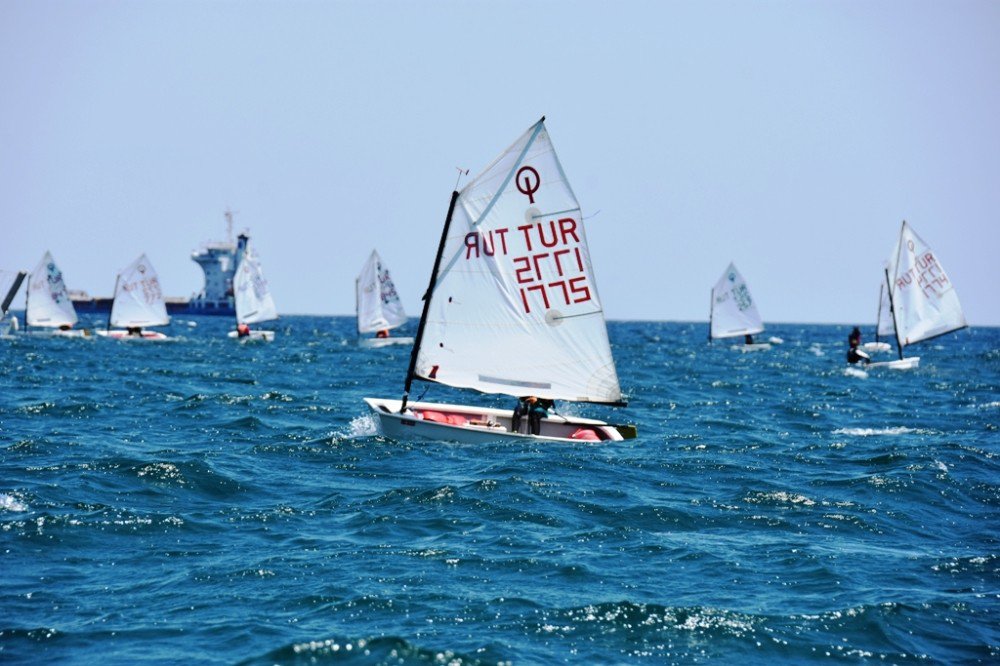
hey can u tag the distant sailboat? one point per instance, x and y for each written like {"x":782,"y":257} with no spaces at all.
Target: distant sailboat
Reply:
{"x":254,"y":303}
{"x":10,"y":282}
{"x":512,"y":308}
{"x":47,"y":303}
{"x":883,"y":323}
{"x":734,"y":313}
{"x":378,"y":307}
{"x":922,"y":300}
{"x":138,"y":304}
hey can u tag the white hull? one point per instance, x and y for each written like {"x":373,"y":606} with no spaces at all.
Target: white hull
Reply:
{"x":876,"y":347}
{"x":255,"y":336}
{"x":56,"y":333}
{"x":375,"y":343}
{"x":757,"y":346}
{"x":855,"y":372}
{"x":121,"y":334}
{"x":901,"y":364}
{"x":478,"y":425}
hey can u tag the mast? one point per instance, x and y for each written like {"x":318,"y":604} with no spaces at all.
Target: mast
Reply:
{"x":427,"y":302}
{"x":113,"y":298}
{"x":9,"y":297}
{"x":711,"y":303}
{"x":878,"y":317}
{"x":27,"y":295}
{"x":357,"y":305}
{"x":892,"y":309}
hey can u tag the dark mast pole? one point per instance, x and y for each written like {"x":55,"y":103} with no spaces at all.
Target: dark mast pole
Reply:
{"x":892,"y":309}
{"x":427,"y":302}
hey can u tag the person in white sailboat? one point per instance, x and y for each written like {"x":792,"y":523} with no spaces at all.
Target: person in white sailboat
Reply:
{"x":748,"y":339}
{"x":242,"y":330}
{"x":134,"y":331}
{"x":535,"y":409}
{"x":382,"y":333}
{"x":854,"y":353}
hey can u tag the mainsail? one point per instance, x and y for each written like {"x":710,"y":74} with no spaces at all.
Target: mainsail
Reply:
{"x":923,"y":297}
{"x":48,"y":300}
{"x":138,"y":297}
{"x":514,"y":307}
{"x":734,"y":312}
{"x":254,"y":302}
{"x":10,"y":282}
{"x":378,"y":304}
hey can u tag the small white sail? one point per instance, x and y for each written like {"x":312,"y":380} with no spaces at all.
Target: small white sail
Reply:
{"x":734,"y":312}
{"x":10,"y":282}
{"x":138,"y":297}
{"x":379,"y":307}
{"x":48,"y":300}
{"x":514,"y":308}
{"x":924,"y":299}
{"x":254,"y":302}
{"x":884,"y":328}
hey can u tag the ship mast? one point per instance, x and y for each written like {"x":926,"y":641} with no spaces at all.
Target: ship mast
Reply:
{"x":229,"y":224}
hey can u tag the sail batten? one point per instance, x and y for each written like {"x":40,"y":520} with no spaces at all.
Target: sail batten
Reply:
{"x":514,"y":307}
{"x":378,"y":304}
{"x":48,"y":299}
{"x":253,"y":300}
{"x":734,"y":312}
{"x":138,"y":300}
{"x":923,"y":297}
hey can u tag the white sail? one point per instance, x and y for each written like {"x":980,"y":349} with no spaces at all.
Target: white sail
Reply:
{"x":379,"y":307}
{"x":884,"y":328}
{"x":48,"y":300}
{"x":10,"y":282}
{"x":138,"y":297}
{"x":254,"y":302}
{"x":734,"y":312}
{"x":514,"y":308}
{"x":924,"y":299}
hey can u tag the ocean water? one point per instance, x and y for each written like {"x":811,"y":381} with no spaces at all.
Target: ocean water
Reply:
{"x":203,"y":501}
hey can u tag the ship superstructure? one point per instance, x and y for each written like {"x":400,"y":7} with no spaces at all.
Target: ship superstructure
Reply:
{"x":218,"y":261}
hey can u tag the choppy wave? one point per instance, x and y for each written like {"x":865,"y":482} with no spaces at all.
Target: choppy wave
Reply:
{"x":211,"y":502}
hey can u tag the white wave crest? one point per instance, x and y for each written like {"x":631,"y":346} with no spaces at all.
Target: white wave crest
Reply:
{"x":363,"y":426}
{"x":868,"y":432}
{"x":11,"y":503}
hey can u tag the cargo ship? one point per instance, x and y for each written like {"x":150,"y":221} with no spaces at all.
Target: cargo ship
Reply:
{"x":218,"y":261}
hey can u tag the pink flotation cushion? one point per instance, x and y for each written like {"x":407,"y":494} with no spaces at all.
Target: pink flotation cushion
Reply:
{"x":586,"y":434}
{"x":439,"y":417}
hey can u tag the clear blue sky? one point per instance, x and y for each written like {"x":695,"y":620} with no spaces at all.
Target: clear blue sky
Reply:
{"x":790,"y":137}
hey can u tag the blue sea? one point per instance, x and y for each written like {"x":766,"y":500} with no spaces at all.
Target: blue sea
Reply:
{"x":203,"y":501}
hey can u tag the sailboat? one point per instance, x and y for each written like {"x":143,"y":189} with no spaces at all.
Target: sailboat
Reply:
{"x":511,"y":308}
{"x":733,"y":311}
{"x":138,"y":304}
{"x":254,"y":303}
{"x":377,"y":304}
{"x":47,"y":303}
{"x":922,"y":300}
{"x":883,"y":323}
{"x":10,"y":282}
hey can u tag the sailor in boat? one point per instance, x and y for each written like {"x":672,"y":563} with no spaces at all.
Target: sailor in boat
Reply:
{"x":242,"y":331}
{"x":535,"y":409}
{"x":854,"y":353}
{"x":748,"y":339}
{"x":134,"y":331}
{"x":66,"y":327}
{"x":382,"y":333}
